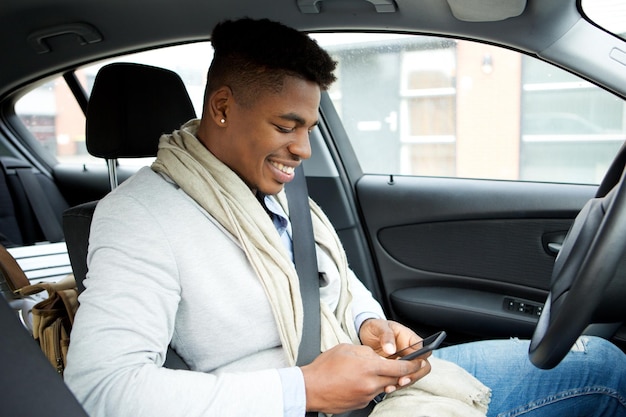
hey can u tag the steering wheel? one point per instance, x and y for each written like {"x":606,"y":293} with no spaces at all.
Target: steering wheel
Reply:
{"x":585,"y":287}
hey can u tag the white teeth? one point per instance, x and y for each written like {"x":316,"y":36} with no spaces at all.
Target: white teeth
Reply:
{"x":284,"y":168}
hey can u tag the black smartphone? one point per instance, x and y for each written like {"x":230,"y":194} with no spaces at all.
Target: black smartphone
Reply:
{"x":430,"y":343}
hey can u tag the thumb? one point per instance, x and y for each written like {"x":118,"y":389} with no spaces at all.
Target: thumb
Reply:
{"x":387,"y":340}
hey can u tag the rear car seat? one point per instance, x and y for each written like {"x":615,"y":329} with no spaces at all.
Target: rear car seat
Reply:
{"x":31,"y":205}
{"x":31,"y":209}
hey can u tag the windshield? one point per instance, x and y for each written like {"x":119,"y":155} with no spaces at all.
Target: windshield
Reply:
{"x":608,"y":14}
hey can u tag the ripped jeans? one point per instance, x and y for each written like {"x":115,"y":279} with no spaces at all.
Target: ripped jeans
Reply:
{"x":590,"y":381}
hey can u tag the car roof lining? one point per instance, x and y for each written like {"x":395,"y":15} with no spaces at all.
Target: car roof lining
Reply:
{"x":141,"y":26}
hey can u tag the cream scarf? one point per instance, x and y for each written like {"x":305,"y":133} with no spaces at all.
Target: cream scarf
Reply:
{"x":218,"y":190}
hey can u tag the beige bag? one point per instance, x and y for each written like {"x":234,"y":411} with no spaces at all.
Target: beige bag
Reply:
{"x":53,"y":318}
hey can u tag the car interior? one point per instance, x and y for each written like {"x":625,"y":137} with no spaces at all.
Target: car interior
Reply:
{"x":444,"y":230}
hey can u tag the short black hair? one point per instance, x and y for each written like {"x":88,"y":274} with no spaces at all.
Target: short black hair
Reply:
{"x":250,"y":55}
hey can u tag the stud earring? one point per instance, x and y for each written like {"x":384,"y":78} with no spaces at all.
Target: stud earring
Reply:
{"x":222,"y":121}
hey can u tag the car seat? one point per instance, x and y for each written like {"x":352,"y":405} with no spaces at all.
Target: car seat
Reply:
{"x":31,"y":204}
{"x":130,"y":107}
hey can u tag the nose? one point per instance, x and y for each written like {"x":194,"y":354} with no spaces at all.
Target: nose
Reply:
{"x":301,"y":146}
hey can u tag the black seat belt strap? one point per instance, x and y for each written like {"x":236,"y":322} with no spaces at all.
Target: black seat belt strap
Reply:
{"x":306,"y":265}
{"x":44,"y":213}
{"x":305,"y":260}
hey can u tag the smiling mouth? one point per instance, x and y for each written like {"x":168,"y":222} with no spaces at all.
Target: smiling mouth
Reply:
{"x":284,"y":168}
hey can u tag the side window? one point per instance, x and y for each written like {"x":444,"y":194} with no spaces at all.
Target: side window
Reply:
{"x":420,"y":105}
{"x":52,"y":115}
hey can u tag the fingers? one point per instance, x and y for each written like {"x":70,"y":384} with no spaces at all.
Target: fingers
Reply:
{"x":424,"y":369}
{"x":399,"y":368}
{"x":404,"y":381}
{"x":386,"y":336}
{"x":377,"y":334}
{"x":349,"y":376}
{"x":404,"y":336}
{"x":388,"y":340}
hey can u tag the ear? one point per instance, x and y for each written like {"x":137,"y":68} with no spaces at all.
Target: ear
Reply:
{"x":218,"y":105}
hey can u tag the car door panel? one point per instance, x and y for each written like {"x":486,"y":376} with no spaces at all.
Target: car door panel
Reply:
{"x":471,"y":256}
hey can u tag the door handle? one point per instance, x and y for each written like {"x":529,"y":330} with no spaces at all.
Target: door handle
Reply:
{"x":553,"y":242}
{"x":554,"y":247}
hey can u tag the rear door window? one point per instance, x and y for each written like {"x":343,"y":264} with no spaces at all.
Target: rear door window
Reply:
{"x":52,"y":115}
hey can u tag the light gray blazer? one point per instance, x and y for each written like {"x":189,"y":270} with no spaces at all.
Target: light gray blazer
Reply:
{"x":162,"y":271}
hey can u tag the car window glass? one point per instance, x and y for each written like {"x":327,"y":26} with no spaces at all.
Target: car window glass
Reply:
{"x":420,"y":105}
{"x":51,"y":113}
{"x":432,"y":106}
{"x":54,"y":118}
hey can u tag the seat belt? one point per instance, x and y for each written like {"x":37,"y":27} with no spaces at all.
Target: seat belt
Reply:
{"x":10,"y":233}
{"x":305,"y":260}
{"x":44,"y":213}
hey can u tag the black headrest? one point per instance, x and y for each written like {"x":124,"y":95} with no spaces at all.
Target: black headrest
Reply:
{"x":131,"y":106}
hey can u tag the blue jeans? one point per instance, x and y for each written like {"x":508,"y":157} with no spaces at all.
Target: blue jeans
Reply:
{"x":590,"y":381}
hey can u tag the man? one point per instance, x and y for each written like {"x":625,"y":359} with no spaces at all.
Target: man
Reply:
{"x":202,"y":260}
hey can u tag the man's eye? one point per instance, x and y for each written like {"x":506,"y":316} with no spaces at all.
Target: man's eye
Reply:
{"x":284,"y":129}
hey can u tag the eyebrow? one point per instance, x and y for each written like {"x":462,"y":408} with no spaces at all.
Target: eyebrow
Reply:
{"x":293,"y":117}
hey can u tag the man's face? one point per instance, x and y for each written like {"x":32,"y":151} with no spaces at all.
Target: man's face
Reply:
{"x":267,"y":140}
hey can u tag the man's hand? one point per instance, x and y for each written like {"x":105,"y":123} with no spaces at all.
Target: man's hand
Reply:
{"x":348,"y":377}
{"x":386,"y":336}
